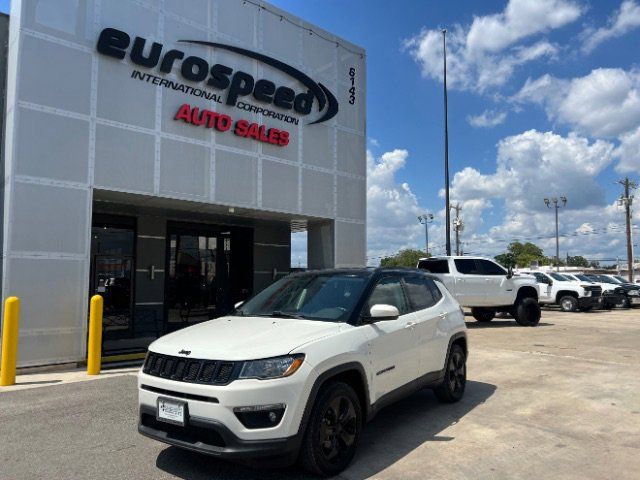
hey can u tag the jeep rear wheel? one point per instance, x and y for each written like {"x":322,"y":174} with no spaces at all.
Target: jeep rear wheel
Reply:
{"x":527,"y":312}
{"x":483,"y":314}
{"x":455,"y":377}
{"x":332,"y":434}
{"x":568,"y":303}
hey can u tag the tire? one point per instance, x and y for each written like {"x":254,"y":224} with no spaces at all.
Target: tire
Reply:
{"x":527,"y":312}
{"x":624,"y":303}
{"x":328,"y":447}
{"x":455,"y":377}
{"x":483,"y":314}
{"x":568,"y":303}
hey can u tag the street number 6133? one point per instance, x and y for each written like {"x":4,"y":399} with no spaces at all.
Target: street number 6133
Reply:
{"x":352,"y":90}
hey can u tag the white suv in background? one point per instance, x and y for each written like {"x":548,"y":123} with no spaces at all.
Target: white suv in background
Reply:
{"x":299,"y":368}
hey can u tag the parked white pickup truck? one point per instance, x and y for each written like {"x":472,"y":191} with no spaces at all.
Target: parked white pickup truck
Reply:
{"x":556,"y":289}
{"x":487,"y":287}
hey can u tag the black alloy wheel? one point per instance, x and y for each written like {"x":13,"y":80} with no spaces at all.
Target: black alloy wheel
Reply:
{"x":333,"y":431}
{"x":455,"y":378}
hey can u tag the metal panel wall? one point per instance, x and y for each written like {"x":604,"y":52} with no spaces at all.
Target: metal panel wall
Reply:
{"x":76,"y":120}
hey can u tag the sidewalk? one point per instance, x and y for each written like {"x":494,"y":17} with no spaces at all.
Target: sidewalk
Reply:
{"x":45,"y":379}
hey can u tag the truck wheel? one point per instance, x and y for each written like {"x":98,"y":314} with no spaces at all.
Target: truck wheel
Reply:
{"x":624,"y":303}
{"x":527,"y":312}
{"x":568,"y":303}
{"x":331,"y":438}
{"x":455,"y":377}
{"x":483,"y":314}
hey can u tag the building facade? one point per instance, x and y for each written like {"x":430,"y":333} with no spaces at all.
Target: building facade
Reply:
{"x":160,"y":153}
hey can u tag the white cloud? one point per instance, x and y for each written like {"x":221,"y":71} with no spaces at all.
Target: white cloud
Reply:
{"x":488,"y":118}
{"x":374,"y":142}
{"x":392,"y":208}
{"x":629,"y":152}
{"x":486,"y":53}
{"x":531,"y":166}
{"x":604,"y":103}
{"x":625,"y":19}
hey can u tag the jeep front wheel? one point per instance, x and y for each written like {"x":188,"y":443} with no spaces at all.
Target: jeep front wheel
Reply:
{"x":568,"y":303}
{"x":527,"y":312}
{"x":333,"y":430}
{"x":483,"y":314}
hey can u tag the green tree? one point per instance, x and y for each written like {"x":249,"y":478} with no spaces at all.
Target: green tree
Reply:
{"x":404,"y":258}
{"x":522,"y":255}
{"x":577,"y":261}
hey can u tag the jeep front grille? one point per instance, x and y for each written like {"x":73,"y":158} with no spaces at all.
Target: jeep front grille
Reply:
{"x":213,"y":372}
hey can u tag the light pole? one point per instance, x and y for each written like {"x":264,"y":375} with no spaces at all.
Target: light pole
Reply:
{"x":447,"y":207}
{"x":425,"y":220}
{"x":556,"y":207}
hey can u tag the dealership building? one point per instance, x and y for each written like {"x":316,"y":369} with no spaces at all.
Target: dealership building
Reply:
{"x":160,"y":153}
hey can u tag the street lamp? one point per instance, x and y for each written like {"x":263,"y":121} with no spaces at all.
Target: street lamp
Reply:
{"x":425,"y":220}
{"x":556,"y":207}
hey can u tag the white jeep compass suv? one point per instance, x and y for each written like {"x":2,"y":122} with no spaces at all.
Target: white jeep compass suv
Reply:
{"x":298,"y":369}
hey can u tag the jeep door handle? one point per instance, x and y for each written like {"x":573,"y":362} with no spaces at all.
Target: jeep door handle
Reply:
{"x":410,"y":325}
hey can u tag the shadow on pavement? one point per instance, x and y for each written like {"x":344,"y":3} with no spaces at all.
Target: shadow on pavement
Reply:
{"x":39,"y":382}
{"x":502,"y":323}
{"x":394,"y":433}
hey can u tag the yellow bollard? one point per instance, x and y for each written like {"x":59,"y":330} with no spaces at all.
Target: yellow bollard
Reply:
{"x":94,"y":348}
{"x":9,"y":341}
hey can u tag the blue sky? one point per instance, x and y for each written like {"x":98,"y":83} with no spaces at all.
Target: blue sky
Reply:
{"x":573,"y":131}
{"x":544,"y":100}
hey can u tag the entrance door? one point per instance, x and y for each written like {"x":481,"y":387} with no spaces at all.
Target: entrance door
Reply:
{"x":112,"y":276}
{"x":199,"y":276}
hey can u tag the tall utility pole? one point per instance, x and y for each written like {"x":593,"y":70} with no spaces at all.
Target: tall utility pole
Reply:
{"x":425,"y":220}
{"x":446,"y":145}
{"x":556,"y":207}
{"x":458,"y":226}
{"x":627,"y":201}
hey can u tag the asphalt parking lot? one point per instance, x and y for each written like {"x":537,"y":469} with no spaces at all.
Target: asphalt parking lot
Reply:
{"x":558,"y":401}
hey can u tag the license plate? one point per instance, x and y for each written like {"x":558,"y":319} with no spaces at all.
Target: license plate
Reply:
{"x":171,"y":411}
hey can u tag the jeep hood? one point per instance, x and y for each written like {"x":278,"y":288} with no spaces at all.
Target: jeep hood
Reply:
{"x":244,"y":338}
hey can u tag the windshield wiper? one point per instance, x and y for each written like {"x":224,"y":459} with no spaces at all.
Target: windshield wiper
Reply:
{"x":281,"y":314}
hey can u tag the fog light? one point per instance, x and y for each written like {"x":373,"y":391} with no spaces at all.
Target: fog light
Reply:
{"x":260,"y":416}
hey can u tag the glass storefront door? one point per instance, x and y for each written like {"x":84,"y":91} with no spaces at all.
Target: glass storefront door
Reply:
{"x":112,"y":275}
{"x":198,"y":280}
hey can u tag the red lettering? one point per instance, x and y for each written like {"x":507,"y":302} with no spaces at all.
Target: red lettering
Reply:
{"x":273,"y":136}
{"x":241,"y":128}
{"x":211,"y":117}
{"x":197,"y":120}
{"x":184,"y":113}
{"x":224,"y":123}
{"x":263,"y":134}
{"x":283,"y":141}
{"x":253,"y":131}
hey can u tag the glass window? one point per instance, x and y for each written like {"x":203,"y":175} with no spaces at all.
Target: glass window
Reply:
{"x":560,"y":278}
{"x":388,"y":291}
{"x":419,"y":292}
{"x":434,"y":266}
{"x":490,"y":268}
{"x":328,"y":297}
{"x":436,"y":288}
{"x":467,"y":266}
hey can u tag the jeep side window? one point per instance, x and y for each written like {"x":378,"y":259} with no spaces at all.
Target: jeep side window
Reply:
{"x":434,"y":266}
{"x":540,"y":278}
{"x":419,"y":292}
{"x":388,"y":291}
{"x":467,"y":266}
{"x":490,"y":268}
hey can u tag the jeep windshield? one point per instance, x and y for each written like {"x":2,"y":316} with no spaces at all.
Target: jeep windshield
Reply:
{"x":328,"y":297}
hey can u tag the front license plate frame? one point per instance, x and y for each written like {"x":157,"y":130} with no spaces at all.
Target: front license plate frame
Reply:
{"x":170,"y":410}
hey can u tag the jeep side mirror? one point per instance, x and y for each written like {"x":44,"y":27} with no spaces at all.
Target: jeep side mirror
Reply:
{"x":510,"y":272}
{"x":381,"y":311}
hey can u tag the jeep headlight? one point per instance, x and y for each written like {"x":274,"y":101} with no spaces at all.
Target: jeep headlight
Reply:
{"x":275,"y":367}
{"x":587,"y":293}
{"x":633,"y":293}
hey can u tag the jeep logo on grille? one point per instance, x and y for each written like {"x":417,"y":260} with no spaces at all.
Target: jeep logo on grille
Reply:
{"x":184,"y":352}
